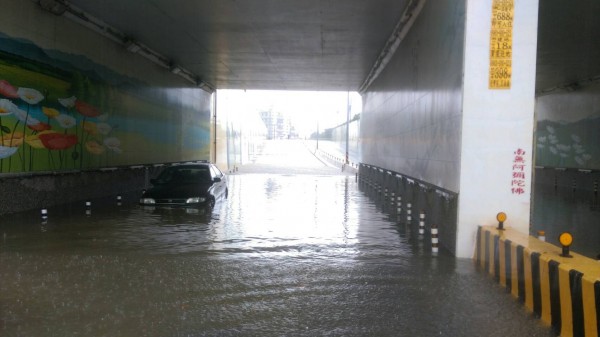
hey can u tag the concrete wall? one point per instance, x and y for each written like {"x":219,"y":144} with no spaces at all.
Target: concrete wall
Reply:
{"x":412,"y":114}
{"x":50,"y":190}
{"x":411,"y":120}
{"x":339,"y":138}
{"x":567,"y":156}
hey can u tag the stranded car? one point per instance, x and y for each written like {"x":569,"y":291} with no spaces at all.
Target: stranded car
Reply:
{"x":197,"y":184}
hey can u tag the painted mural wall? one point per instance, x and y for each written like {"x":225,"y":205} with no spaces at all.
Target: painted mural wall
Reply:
{"x":69,"y":108}
{"x":567,"y":129}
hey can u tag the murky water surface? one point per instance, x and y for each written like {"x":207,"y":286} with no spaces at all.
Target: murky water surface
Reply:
{"x":283,"y":256}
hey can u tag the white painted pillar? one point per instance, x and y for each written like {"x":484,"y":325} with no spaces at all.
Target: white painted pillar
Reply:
{"x":497,"y":128}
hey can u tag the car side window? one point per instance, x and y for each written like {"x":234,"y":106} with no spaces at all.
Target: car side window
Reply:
{"x":213,"y":173}
{"x":217,"y":171}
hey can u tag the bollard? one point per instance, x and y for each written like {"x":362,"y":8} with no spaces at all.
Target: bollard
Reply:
{"x":422,"y":222}
{"x":434,"y":239}
{"x":44,"y":213}
{"x":399,"y":205}
{"x":541,"y":235}
{"x":595,"y":187}
{"x":88,"y":204}
{"x":408,"y":213}
{"x":573,"y":185}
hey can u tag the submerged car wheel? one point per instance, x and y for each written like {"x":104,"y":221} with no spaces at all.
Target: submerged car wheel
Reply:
{"x":211,"y":203}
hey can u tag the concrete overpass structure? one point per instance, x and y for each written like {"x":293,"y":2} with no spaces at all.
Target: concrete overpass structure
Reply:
{"x":451,"y":89}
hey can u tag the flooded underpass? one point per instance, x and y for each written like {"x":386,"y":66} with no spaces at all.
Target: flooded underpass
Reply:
{"x":285,"y":255}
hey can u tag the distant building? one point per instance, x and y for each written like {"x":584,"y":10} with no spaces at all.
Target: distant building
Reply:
{"x":278,"y":125}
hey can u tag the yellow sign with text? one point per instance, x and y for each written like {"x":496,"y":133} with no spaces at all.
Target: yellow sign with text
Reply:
{"x":501,"y":44}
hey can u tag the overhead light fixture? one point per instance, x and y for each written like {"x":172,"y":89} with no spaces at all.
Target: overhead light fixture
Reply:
{"x":55,"y":7}
{"x":204,"y":86}
{"x":67,"y":10}
{"x":409,"y":16}
{"x":175,"y":69}
{"x":132,"y":46}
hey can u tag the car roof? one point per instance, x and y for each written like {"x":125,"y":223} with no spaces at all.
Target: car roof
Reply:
{"x":200,"y":164}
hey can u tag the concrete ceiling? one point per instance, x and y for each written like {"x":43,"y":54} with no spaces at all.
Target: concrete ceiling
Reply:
{"x":321,"y":44}
{"x":260,"y":44}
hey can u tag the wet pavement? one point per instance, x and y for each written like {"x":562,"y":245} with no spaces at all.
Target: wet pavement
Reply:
{"x":290,"y":253}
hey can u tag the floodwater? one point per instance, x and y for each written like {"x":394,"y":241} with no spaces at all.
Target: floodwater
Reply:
{"x":287,"y":254}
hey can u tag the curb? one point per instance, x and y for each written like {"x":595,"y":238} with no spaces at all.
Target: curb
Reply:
{"x":562,"y":292}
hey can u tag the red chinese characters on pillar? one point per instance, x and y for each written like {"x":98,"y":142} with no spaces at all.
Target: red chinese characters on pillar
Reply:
{"x":517,"y":185}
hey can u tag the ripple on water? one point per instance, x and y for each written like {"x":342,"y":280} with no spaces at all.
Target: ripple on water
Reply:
{"x":284,"y":255}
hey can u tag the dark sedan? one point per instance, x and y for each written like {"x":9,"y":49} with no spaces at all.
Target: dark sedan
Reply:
{"x":198,"y":184}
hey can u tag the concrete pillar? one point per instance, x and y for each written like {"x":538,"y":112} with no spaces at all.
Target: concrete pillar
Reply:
{"x":497,"y":127}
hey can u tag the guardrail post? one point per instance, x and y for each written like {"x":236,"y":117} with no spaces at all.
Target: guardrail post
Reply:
{"x":434,"y":239}
{"x":422,"y":222}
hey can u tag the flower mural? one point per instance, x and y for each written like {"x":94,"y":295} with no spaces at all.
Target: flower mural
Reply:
{"x":7,"y":90}
{"x":13,"y":139}
{"x":94,"y":147}
{"x":57,"y":141}
{"x":7,"y":151}
{"x":34,"y":140}
{"x":103,"y":128}
{"x":7,"y":107}
{"x":113,"y":143}
{"x":29,"y":95}
{"x":66,"y":121}
{"x":67,"y":102}
{"x":29,"y":129}
{"x":86,"y":109}
{"x":89,"y":127}
{"x":55,"y":118}
{"x":39,"y":126}
{"x":558,"y":147}
{"x":50,"y":112}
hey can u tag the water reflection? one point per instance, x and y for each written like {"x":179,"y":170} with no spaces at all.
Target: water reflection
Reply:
{"x":312,"y":256}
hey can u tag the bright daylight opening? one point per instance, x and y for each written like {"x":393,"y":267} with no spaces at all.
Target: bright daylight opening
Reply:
{"x":286,"y":130}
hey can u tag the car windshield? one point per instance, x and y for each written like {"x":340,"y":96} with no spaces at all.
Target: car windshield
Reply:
{"x":184,"y":175}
